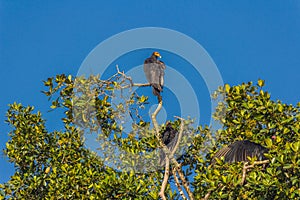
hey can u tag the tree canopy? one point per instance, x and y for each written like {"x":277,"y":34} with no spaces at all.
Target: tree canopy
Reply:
{"x":57,"y":165}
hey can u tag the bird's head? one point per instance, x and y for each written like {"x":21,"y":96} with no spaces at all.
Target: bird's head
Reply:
{"x":168,"y":125}
{"x":156,"y":54}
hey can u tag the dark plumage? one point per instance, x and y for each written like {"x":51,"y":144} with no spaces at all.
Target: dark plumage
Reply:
{"x":240,"y":150}
{"x":154,"y":71}
{"x":169,"y":137}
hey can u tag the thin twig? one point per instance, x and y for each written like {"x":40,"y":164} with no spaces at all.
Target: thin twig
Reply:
{"x":178,"y":184}
{"x":136,"y":85}
{"x":209,"y":193}
{"x":124,"y":75}
{"x":132,"y":84}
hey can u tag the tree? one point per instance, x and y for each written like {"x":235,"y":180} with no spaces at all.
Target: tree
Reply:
{"x":57,"y":165}
{"x":249,"y":113}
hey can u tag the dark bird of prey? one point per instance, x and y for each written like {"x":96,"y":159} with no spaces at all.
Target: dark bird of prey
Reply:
{"x":154,"y":71}
{"x":240,"y":150}
{"x":169,"y":137}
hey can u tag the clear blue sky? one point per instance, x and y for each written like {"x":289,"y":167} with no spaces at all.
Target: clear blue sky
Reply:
{"x":246,"y":39}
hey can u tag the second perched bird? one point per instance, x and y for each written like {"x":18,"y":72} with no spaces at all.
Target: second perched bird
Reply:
{"x":154,"y":71}
{"x":169,"y":137}
{"x":240,"y":150}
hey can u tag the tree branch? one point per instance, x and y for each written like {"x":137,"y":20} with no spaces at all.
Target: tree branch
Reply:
{"x":207,"y":195}
{"x":136,"y":85}
{"x":183,"y":180}
{"x":246,"y":167}
{"x":178,"y":166}
{"x":165,"y":180}
{"x":165,"y":149}
{"x":129,"y":79}
{"x":178,"y":184}
{"x":169,"y":155}
{"x":124,"y":75}
{"x":153,"y":117}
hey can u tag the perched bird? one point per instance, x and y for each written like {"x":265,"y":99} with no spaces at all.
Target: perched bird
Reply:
{"x":169,"y":137}
{"x":154,"y":71}
{"x":240,"y":150}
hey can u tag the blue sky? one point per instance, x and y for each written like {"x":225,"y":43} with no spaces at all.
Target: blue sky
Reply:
{"x":246,"y":39}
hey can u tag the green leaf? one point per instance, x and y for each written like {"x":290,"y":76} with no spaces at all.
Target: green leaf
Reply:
{"x":224,"y":179}
{"x":227,"y":88}
{"x":295,"y":146}
{"x":268,"y":142}
{"x":260,"y":83}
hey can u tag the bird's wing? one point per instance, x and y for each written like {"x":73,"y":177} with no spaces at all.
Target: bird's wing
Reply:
{"x":255,"y":150}
{"x":233,"y":153}
{"x":173,"y":140}
{"x":165,"y":139}
{"x":166,"y":136}
{"x":162,"y":67}
{"x":222,"y":152}
{"x":154,"y":72}
{"x":169,"y":138}
{"x":240,"y":151}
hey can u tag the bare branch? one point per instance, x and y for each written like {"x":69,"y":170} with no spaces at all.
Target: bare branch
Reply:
{"x":178,"y":184}
{"x":124,"y":75}
{"x":153,"y":117}
{"x":167,"y":152}
{"x":246,"y":167}
{"x":165,"y":180}
{"x":169,"y":155}
{"x":136,"y":85}
{"x":207,"y":195}
{"x":183,"y":180}
{"x":178,"y":166}
{"x":165,"y":149}
{"x":132,"y":84}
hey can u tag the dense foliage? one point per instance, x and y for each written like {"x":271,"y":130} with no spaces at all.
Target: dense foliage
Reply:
{"x":56,"y":165}
{"x":249,"y":113}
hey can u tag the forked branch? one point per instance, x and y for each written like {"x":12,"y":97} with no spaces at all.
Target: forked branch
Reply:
{"x":246,"y":167}
{"x":132,"y":84}
{"x":169,"y":155}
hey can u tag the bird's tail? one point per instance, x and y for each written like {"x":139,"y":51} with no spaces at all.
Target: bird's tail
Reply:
{"x":156,"y":89}
{"x":162,"y":158}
